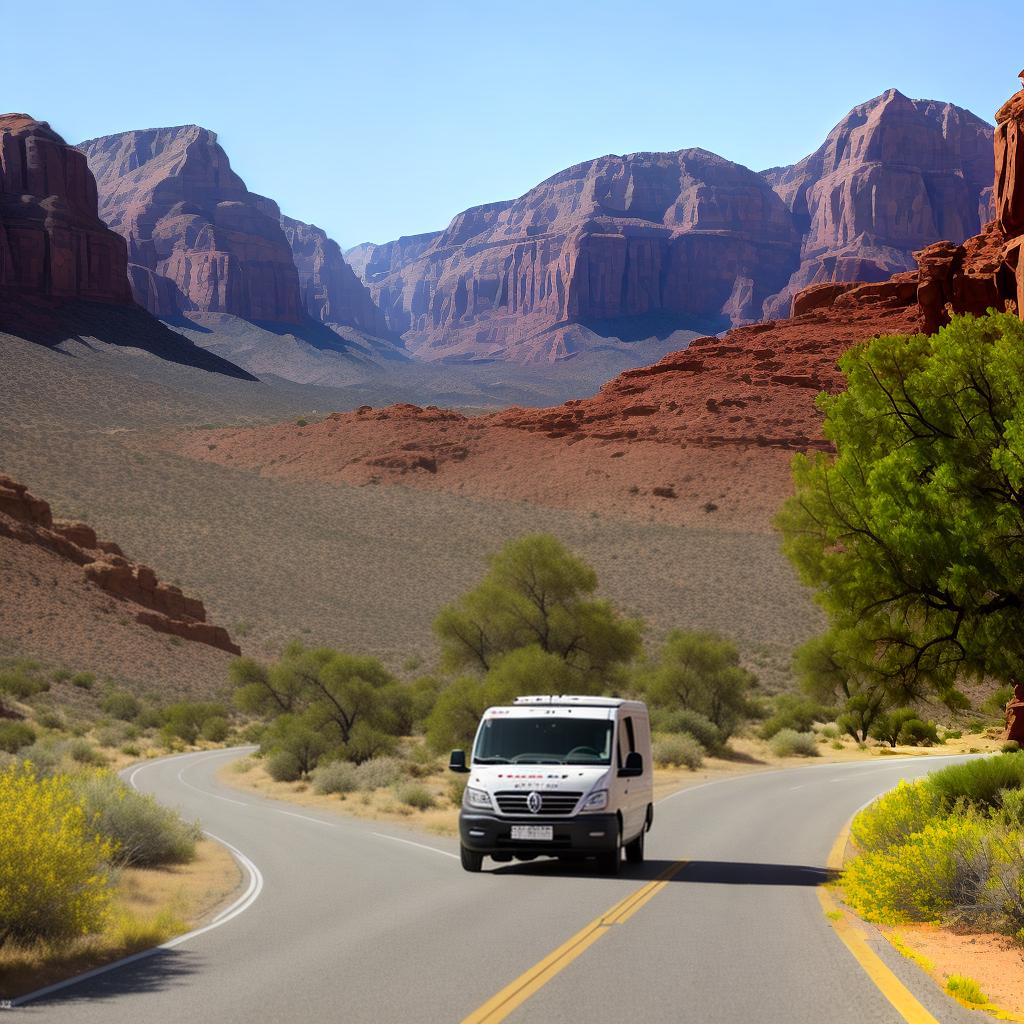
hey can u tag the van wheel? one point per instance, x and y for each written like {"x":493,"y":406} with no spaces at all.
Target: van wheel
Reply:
{"x":471,"y":860}
{"x":610,"y":862}
{"x":635,"y":850}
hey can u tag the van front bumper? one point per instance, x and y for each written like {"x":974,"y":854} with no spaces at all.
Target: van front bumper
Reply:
{"x":584,"y":834}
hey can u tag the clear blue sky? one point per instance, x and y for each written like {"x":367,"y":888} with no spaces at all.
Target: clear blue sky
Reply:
{"x":386,"y":118}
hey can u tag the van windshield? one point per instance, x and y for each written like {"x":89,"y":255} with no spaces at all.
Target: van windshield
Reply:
{"x":544,"y":741}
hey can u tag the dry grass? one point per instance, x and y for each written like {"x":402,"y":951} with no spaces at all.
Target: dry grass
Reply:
{"x":150,"y":906}
{"x":363,"y":568}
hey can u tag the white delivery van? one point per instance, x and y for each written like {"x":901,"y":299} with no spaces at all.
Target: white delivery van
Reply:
{"x":568,"y":777}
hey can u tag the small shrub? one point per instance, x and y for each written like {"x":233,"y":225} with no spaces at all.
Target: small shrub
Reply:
{"x":62,"y":675}
{"x":131,"y":750}
{"x":966,"y":990}
{"x":380,"y":772}
{"x":132,"y":933}
{"x":976,"y":726}
{"x":284,"y":766}
{"x":50,"y":718}
{"x":301,"y":423}
{"x":121,"y":704}
{"x":837,"y":745}
{"x":62,"y":889}
{"x":916,"y":733}
{"x":952,"y":734}
{"x":996,"y":702}
{"x":980,"y":783}
{"x":367,"y":743}
{"x":678,"y":751}
{"x":457,"y":789}
{"x":83,"y":680}
{"x":336,"y":777}
{"x":215,"y":729}
{"x":15,"y":736}
{"x":830,"y":731}
{"x":888,"y":726}
{"x":21,"y":683}
{"x":413,"y":794}
{"x":1010,"y":747}
{"x":680,"y":720}
{"x":149,"y":718}
{"x":790,"y":743}
{"x":143,"y":832}
{"x":83,"y":752}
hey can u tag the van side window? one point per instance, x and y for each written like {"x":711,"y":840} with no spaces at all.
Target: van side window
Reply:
{"x":630,"y":735}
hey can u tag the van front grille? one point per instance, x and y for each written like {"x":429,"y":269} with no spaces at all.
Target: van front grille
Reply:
{"x":515,"y":802}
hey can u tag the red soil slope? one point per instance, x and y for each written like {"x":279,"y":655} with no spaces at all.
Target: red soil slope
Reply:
{"x":703,"y":437}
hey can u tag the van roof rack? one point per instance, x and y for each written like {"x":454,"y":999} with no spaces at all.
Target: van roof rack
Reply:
{"x":571,"y":700}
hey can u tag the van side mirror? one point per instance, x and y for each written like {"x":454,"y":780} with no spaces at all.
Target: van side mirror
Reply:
{"x":633,"y":767}
{"x":457,"y":762}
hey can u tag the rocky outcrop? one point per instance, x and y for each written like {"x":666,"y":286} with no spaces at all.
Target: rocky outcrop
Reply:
{"x":987,"y":270}
{"x":52,"y":241}
{"x":616,"y":243}
{"x":331,"y":292}
{"x":892,"y":177}
{"x":198,"y":240}
{"x":162,"y":607}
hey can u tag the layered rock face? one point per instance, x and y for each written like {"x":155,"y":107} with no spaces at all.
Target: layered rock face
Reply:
{"x":52,"y":242}
{"x":198,"y":240}
{"x":650,"y":236}
{"x":893,"y":176}
{"x":331,"y":292}
{"x":987,"y":270}
{"x":162,"y":607}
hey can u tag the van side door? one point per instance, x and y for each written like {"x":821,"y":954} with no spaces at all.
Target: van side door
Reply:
{"x":632,"y":798}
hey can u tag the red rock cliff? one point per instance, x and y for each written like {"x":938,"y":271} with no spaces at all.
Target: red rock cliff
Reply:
{"x":893,"y":176}
{"x":52,"y":242}
{"x":197,"y":238}
{"x":651,"y":235}
{"x":331,"y":292}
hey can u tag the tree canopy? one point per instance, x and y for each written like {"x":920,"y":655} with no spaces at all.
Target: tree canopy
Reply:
{"x":537,"y":594}
{"x":912,"y":532}
{"x":701,"y":672}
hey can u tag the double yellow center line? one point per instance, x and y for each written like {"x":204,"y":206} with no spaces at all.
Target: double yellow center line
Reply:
{"x":499,"y":1006}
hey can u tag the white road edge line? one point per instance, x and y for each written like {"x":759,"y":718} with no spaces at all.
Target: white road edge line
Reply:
{"x":240,"y":905}
{"x":409,"y":842}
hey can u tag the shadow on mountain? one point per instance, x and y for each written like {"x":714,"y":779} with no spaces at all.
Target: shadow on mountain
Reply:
{"x":654,"y":325}
{"x":151,"y":974}
{"x":52,"y":323}
{"x":706,"y":872}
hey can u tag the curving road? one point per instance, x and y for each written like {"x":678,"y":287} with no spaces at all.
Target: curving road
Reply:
{"x":348,"y":921}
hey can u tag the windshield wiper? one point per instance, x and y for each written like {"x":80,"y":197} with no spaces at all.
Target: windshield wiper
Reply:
{"x":491,"y":760}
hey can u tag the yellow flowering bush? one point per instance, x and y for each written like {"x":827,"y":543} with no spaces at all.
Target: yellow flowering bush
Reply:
{"x":895,"y":817}
{"x":935,"y":872}
{"x":54,"y":883}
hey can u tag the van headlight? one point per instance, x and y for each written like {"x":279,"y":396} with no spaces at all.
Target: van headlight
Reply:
{"x":478,"y":798}
{"x":597,"y":801}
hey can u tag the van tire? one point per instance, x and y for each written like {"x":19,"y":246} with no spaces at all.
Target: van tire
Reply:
{"x":471,"y":860}
{"x":635,"y":849}
{"x":609,"y":863}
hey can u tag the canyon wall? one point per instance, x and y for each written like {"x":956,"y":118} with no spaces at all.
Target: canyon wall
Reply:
{"x":618,"y":242}
{"x":331,"y":292}
{"x":893,"y":176}
{"x":198,"y":240}
{"x":52,"y":241}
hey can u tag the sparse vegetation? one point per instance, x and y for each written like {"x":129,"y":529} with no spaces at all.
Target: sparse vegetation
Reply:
{"x":678,"y":751}
{"x":948,"y":848}
{"x":790,"y":743}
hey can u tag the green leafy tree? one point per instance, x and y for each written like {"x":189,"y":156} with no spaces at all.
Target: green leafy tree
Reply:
{"x":912,"y":533}
{"x":456,"y":714}
{"x":538,"y":594}
{"x":701,"y":672}
{"x":889,"y":727}
{"x":840,"y":666}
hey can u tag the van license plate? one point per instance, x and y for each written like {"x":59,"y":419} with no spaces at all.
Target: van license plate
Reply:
{"x":533,"y":832}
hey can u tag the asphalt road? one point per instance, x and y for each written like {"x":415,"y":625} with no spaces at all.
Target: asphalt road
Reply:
{"x":357,"y":922}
